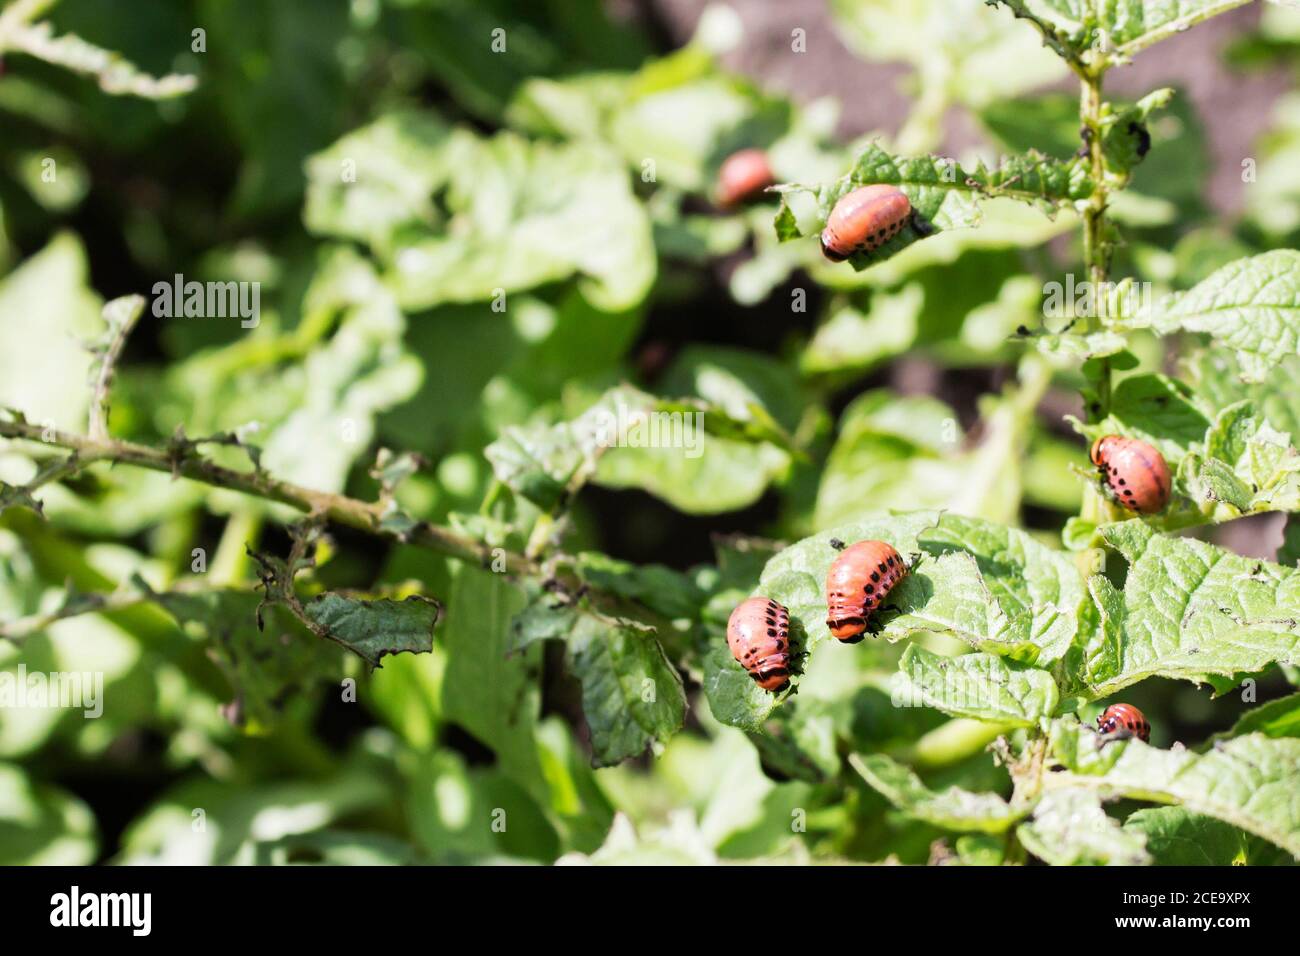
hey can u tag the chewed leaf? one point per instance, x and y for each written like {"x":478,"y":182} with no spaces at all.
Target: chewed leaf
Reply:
{"x":1249,"y":782}
{"x":372,"y":629}
{"x":943,"y":194}
{"x":1192,"y":609}
{"x":952,"y":809}
{"x":978,"y":686}
{"x":1070,"y":828}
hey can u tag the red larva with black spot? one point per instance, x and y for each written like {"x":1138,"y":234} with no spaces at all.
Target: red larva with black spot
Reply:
{"x":1118,"y":717}
{"x":758,"y":634}
{"x":863,"y":220}
{"x":857,"y":584}
{"x":744,"y":175}
{"x":1134,"y":471}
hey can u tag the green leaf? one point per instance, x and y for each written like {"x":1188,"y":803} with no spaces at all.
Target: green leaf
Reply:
{"x":301,"y":388}
{"x":943,"y":195}
{"x":979,"y":686}
{"x":267,"y":667}
{"x":493,"y":696}
{"x":632,"y":696}
{"x":958,"y":47}
{"x":1217,"y":379}
{"x":1273,"y":201}
{"x":1159,"y":410}
{"x":951,"y":809}
{"x":1252,"y":306}
{"x":451,"y":809}
{"x":1249,"y":782}
{"x":1246,"y":467}
{"x":747,"y":386}
{"x":1277,"y":718}
{"x":1192,"y":609}
{"x":238,"y":816}
{"x":716,"y":476}
{"x":688,"y":453}
{"x":1225,"y":464}
{"x":1175,"y":836}
{"x":876,"y":466}
{"x":374,"y":628}
{"x":670,"y":593}
{"x":1070,"y":828}
{"x":1134,"y":25}
{"x":556,"y":211}
{"x":379,"y":179}
{"x":963,"y":307}
{"x":337,"y":848}
{"x":42,"y":825}
{"x":996,"y":588}
{"x":548,"y":464}
{"x":44,"y":376}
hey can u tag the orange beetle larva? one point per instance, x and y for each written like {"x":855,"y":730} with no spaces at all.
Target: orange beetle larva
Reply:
{"x":1119,"y":717}
{"x":1134,"y":471}
{"x":863,"y":220}
{"x":744,"y":175}
{"x":758,"y":634}
{"x":857,"y":584}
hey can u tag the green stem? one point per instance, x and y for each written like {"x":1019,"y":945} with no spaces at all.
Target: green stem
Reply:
{"x":1096,"y":247}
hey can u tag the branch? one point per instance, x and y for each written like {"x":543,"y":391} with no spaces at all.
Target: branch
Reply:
{"x":182,"y":459}
{"x":76,"y":603}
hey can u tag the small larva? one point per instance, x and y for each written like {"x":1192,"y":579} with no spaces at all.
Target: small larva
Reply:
{"x":857,"y":584}
{"x":758,"y":634}
{"x":863,"y":220}
{"x":744,"y":175}
{"x":1126,"y":717}
{"x":1135,"y":473}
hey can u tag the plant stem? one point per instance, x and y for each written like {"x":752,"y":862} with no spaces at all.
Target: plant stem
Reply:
{"x":339,"y":509}
{"x":1096,"y":247}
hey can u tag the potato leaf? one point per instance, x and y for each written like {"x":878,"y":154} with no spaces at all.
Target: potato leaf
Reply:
{"x":952,"y":809}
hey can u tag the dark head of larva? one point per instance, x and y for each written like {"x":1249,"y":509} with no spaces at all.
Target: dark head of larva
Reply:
{"x":743,"y":176}
{"x":864,"y":219}
{"x":1124,"y":718}
{"x":1134,"y":473}
{"x":857,"y":584}
{"x":758,"y":634}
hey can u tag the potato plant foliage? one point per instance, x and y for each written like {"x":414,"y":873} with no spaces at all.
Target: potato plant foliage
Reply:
{"x":429,"y":557}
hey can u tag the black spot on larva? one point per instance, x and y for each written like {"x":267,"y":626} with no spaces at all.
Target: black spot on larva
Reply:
{"x":875,"y":575}
{"x":870,"y":589}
